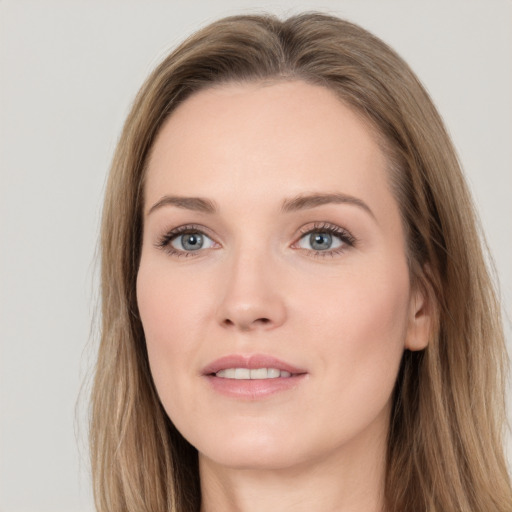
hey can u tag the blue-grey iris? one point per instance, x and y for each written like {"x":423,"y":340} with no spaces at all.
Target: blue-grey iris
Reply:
{"x":192,"y":241}
{"x":320,"y":241}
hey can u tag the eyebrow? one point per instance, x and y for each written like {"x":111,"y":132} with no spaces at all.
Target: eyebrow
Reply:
{"x":303,"y":202}
{"x":197,"y":204}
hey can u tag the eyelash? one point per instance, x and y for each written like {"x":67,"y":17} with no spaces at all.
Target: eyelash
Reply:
{"x":345,"y":236}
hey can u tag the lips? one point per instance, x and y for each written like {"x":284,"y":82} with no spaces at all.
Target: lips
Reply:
{"x":252,"y":362}
{"x":252,"y":377}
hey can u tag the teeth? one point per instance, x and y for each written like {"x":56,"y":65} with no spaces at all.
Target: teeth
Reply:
{"x":273,"y":373}
{"x":259,"y":373}
{"x":242,"y":373}
{"x":256,"y":373}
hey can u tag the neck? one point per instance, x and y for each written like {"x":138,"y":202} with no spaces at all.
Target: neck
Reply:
{"x":350,"y":479}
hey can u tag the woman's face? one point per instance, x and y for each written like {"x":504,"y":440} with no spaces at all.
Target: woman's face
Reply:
{"x":273,"y":285}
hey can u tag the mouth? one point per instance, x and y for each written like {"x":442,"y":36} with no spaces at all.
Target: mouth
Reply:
{"x":251,"y":366}
{"x":252,"y":374}
{"x":252,"y":377}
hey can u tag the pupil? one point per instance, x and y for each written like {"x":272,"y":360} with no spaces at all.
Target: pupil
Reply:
{"x":192,"y":242}
{"x":320,"y":241}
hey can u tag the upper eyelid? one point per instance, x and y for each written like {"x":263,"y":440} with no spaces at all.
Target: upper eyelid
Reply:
{"x":325,"y":226}
{"x":184,"y":228}
{"x":319,"y":226}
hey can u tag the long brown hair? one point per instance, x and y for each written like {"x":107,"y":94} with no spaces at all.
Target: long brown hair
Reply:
{"x":445,"y":449}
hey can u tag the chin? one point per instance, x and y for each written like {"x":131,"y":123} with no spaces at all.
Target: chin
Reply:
{"x":253,"y":459}
{"x":250,"y":450}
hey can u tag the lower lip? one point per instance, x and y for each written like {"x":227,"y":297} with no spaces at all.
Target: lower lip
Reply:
{"x":253,"y":389}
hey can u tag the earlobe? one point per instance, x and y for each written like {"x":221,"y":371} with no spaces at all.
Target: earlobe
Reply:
{"x":420,"y":320}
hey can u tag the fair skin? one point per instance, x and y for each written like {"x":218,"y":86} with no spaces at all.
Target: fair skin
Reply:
{"x":290,"y":257}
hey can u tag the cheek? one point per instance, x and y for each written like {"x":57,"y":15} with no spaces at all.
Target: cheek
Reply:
{"x":170,"y":311}
{"x":367,"y":297}
{"x":359,"y":322}
{"x":171,"y":301}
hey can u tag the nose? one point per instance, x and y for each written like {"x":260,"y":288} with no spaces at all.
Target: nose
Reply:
{"x":252,"y":296}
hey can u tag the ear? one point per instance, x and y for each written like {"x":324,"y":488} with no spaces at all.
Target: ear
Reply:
{"x":420,"y":322}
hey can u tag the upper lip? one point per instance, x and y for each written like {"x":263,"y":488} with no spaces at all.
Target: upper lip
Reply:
{"x":252,"y":362}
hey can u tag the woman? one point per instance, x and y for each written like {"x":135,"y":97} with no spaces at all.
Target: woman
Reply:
{"x":296,"y":309}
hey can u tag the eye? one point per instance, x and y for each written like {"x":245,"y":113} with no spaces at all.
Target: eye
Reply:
{"x":325,"y":239}
{"x":320,"y":241}
{"x":188,"y":240}
{"x":191,"y":241}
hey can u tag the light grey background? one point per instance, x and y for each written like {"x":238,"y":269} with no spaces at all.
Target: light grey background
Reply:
{"x":68,"y":72}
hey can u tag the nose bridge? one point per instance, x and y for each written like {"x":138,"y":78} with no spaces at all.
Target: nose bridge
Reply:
{"x":251,"y":296}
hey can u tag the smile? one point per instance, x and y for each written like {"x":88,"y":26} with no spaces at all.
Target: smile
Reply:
{"x":252,"y":374}
{"x":250,"y":377}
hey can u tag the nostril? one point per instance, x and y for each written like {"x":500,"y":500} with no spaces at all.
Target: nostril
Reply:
{"x":227,"y":322}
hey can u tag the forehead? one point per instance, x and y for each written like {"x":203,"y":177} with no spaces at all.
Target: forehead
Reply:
{"x":278,"y":138}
